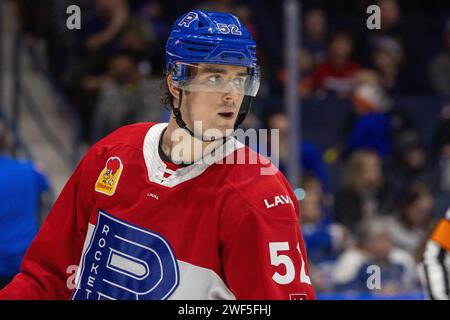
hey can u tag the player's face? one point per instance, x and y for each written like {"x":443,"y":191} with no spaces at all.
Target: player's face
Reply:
{"x":216,"y":106}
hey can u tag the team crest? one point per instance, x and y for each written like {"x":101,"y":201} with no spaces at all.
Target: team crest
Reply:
{"x":109,"y":178}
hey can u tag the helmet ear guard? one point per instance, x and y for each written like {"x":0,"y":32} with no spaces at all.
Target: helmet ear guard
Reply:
{"x":180,"y":72}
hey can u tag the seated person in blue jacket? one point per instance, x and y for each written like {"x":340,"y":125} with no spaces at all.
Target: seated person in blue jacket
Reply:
{"x":373,"y":264}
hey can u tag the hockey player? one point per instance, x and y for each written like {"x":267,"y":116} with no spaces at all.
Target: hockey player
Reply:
{"x":435,"y":267}
{"x":139,"y":220}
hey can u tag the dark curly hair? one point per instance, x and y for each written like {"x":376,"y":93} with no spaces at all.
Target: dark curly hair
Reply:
{"x":166,"y":98}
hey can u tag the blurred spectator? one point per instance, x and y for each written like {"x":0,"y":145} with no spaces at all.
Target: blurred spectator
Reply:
{"x":244,"y":13}
{"x":373,"y":122}
{"x":368,"y":95}
{"x":20,"y":192}
{"x":136,"y":37}
{"x":388,"y":59}
{"x":390,"y":15}
{"x":45,"y":26}
{"x":371,"y":131}
{"x":151,"y":11}
{"x":369,"y":124}
{"x":132,"y":34}
{"x":324,"y":239}
{"x":335,"y":75}
{"x":306,"y":65}
{"x":391,"y":25}
{"x":365,"y":192}
{"x":315,"y":35}
{"x":144,"y":35}
{"x":441,"y":148}
{"x":102,"y":27}
{"x":310,"y":158}
{"x":410,"y":224}
{"x":410,"y":163}
{"x":368,"y":98}
{"x":374,"y":247}
{"x":387,"y":49}
{"x":111,"y":17}
{"x":126,"y":98}
{"x":440,"y":66}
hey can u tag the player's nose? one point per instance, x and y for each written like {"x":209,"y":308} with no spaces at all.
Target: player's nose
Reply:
{"x":228,"y":96}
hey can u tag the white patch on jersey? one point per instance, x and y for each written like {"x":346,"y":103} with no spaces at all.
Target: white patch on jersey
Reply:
{"x":197,"y":283}
{"x":156,"y":167}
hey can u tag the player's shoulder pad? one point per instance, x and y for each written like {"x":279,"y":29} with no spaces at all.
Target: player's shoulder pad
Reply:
{"x":262,"y":186}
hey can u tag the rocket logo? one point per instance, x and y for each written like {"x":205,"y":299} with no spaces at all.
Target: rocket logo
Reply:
{"x":109,"y":178}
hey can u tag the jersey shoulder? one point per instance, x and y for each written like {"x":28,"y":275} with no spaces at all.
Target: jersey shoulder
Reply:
{"x":260,"y":184}
{"x":125,"y":143}
{"x":132,"y":135}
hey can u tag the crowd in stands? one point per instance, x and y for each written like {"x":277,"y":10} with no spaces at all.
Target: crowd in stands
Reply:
{"x":383,"y":206}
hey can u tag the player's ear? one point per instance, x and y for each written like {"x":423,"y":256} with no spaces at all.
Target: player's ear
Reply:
{"x":172,"y":89}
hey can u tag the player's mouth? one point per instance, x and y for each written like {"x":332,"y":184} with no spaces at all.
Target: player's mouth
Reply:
{"x":226,"y":115}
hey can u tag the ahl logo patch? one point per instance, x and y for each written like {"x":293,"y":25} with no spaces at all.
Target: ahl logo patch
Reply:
{"x":109,"y":178}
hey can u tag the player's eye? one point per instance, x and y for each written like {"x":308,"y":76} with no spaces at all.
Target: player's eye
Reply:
{"x":215,"y":80}
{"x":239,"y":82}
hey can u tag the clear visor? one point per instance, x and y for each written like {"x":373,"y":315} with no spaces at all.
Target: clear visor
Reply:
{"x":204,"y":77}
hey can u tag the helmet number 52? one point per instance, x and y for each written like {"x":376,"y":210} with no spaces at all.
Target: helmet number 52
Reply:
{"x":229,"y":28}
{"x":276,"y":259}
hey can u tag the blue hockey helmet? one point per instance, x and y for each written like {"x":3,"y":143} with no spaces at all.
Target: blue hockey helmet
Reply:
{"x":211,"y":38}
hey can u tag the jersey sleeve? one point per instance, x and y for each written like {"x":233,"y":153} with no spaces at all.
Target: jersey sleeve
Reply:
{"x":262,"y":249}
{"x":55,"y":251}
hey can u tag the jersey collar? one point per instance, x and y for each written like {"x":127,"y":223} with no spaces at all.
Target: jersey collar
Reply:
{"x":157,"y":169}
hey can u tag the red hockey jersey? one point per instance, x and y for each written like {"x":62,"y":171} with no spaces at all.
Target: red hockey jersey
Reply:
{"x":128,"y":225}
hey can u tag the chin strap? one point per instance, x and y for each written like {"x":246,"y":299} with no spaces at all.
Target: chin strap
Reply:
{"x":243,"y":111}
